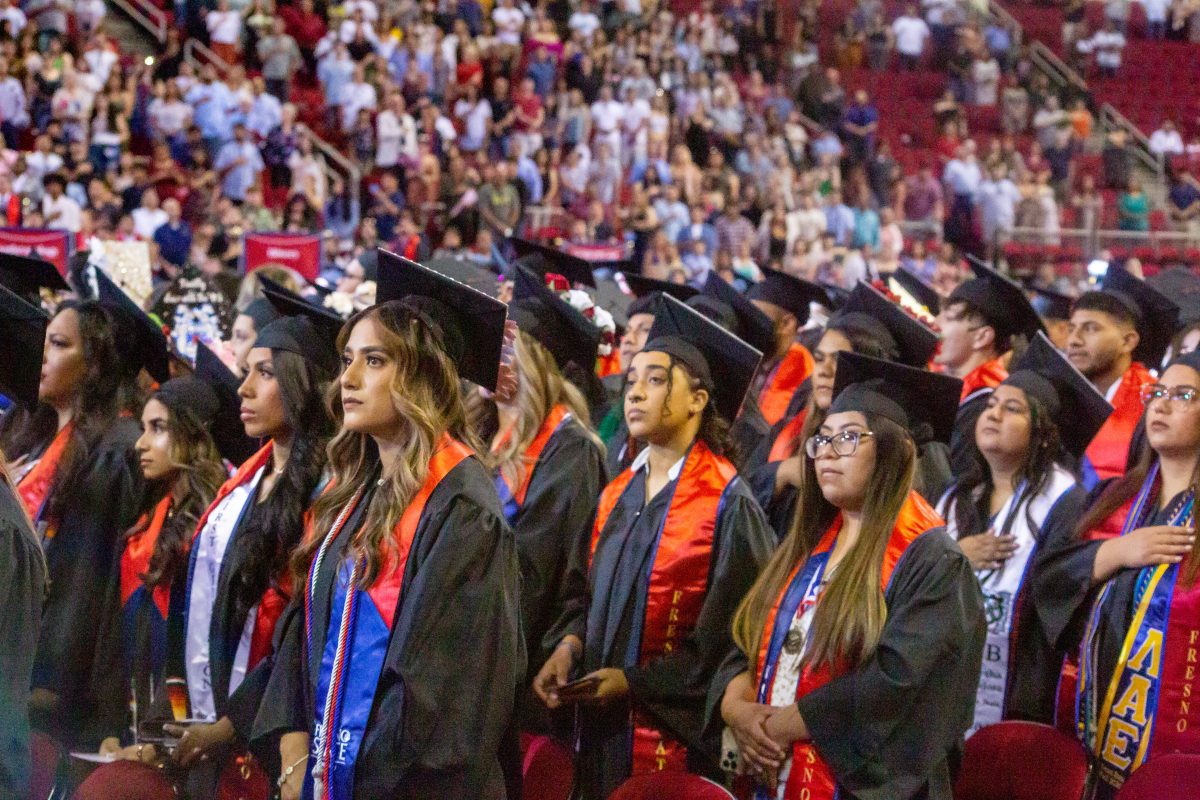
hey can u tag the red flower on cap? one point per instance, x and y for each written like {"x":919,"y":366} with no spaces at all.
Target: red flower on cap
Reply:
{"x":557,"y":282}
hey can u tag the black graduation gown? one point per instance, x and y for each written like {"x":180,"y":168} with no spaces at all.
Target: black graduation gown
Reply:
{"x":23,"y":576}
{"x":963,"y":438}
{"x":444,"y":703}
{"x":1035,"y":662}
{"x":892,"y":728}
{"x":80,"y":563}
{"x":673,"y":690}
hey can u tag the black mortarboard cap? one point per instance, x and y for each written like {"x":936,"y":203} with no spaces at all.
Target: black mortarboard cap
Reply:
{"x":753,"y":326}
{"x":23,"y":330}
{"x":1050,"y":304}
{"x":144,"y":344}
{"x":26,"y":275}
{"x":724,"y":363}
{"x":227,"y":430}
{"x":1077,"y":407}
{"x":913,"y":341}
{"x":836,"y":294}
{"x":1183,"y":287}
{"x":467,"y":272}
{"x":919,"y":290}
{"x":470,"y":322}
{"x":1154,"y":312}
{"x":924,"y":403}
{"x":261,"y":311}
{"x":788,"y":292}
{"x":303,"y":328}
{"x":193,"y":394}
{"x":715,"y":310}
{"x":643,"y":287}
{"x":1000,"y":300}
{"x":542,"y":259}
{"x":570,"y":337}
{"x":612,"y":298}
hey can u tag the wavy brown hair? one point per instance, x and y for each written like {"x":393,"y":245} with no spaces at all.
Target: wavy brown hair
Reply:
{"x":849,"y":620}
{"x":427,"y":396}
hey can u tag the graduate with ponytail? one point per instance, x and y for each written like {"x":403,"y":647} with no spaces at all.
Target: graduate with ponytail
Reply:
{"x":860,"y":643}
{"x":398,"y":669}
{"x":676,"y":543}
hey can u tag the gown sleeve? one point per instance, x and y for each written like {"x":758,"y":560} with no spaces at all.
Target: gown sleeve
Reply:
{"x":1062,"y":579}
{"x":286,"y":705}
{"x":964,"y":435}
{"x":888,"y":728}
{"x":744,"y":545}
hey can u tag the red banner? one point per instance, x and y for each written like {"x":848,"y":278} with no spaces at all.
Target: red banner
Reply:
{"x":50,"y":245}
{"x":298,"y":251}
{"x":596,"y":253}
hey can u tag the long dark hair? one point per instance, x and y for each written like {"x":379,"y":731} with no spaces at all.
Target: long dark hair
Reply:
{"x":973,"y":492}
{"x":714,"y":429}
{"x":198,"y":475}
{"x":107,"y":389}
{"x":275,"y":526}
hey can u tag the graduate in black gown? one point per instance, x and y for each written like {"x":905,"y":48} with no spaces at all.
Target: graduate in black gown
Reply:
{"x":246,"y":325}
{"x":677,"y":540}
{"x":869,"y":324}
{"x":1017,"y":502}
{"x":1132,"y":601}
{"x":397,"y":673}
{"x":78,"y":481}
{"x":860,"y":644}
{"x":549,"y":465}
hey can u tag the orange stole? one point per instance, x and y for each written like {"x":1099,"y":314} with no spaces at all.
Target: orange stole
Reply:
{"x":810,"y":777}
{"x":787,"y":443}
{"x":35,"y":485}
{"x":791,"y":371}
{"x":135,"y":559}
{"x":609,"y":364}
{"x":987,"y":375}
{"x":533,"y":452}
{"x":678,"y":581}
{"x":1109,"y":450}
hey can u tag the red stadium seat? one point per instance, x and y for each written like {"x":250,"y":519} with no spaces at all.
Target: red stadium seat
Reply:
{"x":1175,"y":775}
{"x":670,"y":786}
{"x":1021,"y":761}
{"x":125,"y":780}
{"x":243,"y":779}
{"x":548,"y":770}
{"x":45,"y":755}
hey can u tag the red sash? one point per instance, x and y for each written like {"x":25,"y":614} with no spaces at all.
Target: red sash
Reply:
{"x":1109,"y":451}
{"x":791,"y":371}
{"x":987,"y":375}
{"x":678,"y":582}
{"x":787,"y":443}
{"x":135,"y":560}
{"x":533,"y":452}
{"x":34,"y":487}
{"x":810,"y":777}
{"x":1176,"y":729}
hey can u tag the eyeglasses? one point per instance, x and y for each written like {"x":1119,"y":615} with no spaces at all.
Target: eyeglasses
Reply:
{"x":1156,"y":391}
{"x":844,"y":443}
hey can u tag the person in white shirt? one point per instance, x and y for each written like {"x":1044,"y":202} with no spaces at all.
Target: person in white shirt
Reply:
{"x":357,"y":95}
{"x":369,"y":10}
{"x":1156,"y":18}
{"x":89,"y":14}
{"x":265,"y":112}
{"x":356,"y":23}
{"x":1108,"y":45}
{"x":11,"y":13}
{"x":148,"y":216}
{"x":911,"y":33}
{"x":607,"y":114}
{"x":395,"y":133}
{"x":996,"y":199}
{"x":14,"y":112}
{"x":42,"y":161}
{"x":985,"y":80}
{"x":509,"y":21}
{"x":59,"y":211}
{"x":1166,"y":141}
{"x":634,"y":126}
{"x":225,"y":31}
{"x":584,"y":21}
{"x":475,"y":116}
{"x":100,"y":58}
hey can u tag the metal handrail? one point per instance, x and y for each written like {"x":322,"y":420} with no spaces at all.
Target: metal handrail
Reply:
{"x":1044,"y":58}
{"x":149,"y":16}
{"x":1093,"y":241}
{"x":1002,"y":15}
{"x":1110,"y":117}
{"x":192,"y":47}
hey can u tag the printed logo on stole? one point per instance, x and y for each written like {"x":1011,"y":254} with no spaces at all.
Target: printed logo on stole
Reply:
{"x":997,"y":610}
{"x":1128,"y":728}
{"x":339,"y":751}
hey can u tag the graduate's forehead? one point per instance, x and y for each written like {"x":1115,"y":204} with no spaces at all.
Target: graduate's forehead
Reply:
{"x":651,"y":360}
{"x":844,"y":420}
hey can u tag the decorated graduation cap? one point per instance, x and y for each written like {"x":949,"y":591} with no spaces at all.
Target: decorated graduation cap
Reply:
{"x":720,"y":361}
{"x":1183,"y":287}
{"x":1072,"y":401}
{"x":920,"y":291}
{"x":303,"y":328}
{"x":23,"y":329}
{"x":143,"y":343}
{"x":869,"y":310}
{"x":226,"y":430}
{"x":569,"y":336}
{"x":923,"y":403}
{"x":542,"y":259}
{"x":470,"y":323}
{"x":25,"y":276}
{"x":1050,"y":304}
{"x":1154,"y":314}
{"x":753,"y":326}
{"x":261,"y":311}
{"x":790,"y":293}
{"x":1000,"y":300}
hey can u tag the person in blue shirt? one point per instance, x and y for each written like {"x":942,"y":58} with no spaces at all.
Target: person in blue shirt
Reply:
{"x":866,"y":226}
{"x":212,"y":104}
{"x":542,"y":70}
{"x":173,"y":237}
{"x":859,"y":128}
{"x":238,"y":163}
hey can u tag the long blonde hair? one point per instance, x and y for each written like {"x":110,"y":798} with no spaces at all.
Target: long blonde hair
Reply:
{"x":540,"y":387}
{"x":426,"y":394}
{"x":848,"y":622}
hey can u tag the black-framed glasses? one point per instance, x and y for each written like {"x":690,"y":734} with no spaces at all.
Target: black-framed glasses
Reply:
{"x":844,"y":443}
{"x":1181,"y":394}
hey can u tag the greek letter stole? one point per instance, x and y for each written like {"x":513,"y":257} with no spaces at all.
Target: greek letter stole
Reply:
{"x":358,"y":634}
{"x":1108,"y":452}
{"x":810,"y":777}
{"x":791,"y":371}
{"x":513,"y":497}
{"x":1143,"y":709}
{"x":678,"y":582}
